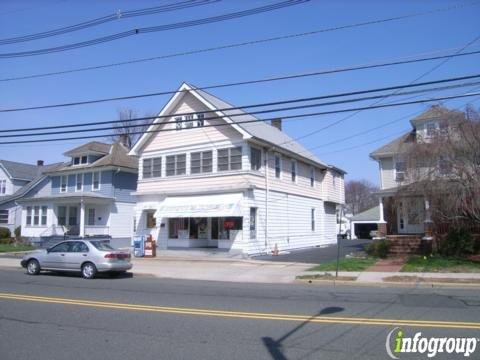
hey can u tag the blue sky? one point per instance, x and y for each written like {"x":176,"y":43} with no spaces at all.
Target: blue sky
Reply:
{"x":425,"y":34}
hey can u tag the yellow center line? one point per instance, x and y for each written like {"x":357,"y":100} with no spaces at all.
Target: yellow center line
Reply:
{"x":243,"y":315}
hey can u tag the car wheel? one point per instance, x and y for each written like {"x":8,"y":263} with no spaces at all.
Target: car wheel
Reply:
{"x":33,"y":267}
{"x":89,"y":270}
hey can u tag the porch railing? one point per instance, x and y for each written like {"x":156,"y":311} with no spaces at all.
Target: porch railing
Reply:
{"x":92,"y":230}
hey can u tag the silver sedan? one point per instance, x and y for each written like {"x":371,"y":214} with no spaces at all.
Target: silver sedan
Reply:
{"x":87,"y":256}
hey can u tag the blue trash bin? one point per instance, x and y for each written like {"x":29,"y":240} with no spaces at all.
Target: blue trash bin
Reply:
{"x":139,"y":246}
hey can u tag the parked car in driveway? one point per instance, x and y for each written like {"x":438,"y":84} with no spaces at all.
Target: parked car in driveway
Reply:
{"x":87,"y":256}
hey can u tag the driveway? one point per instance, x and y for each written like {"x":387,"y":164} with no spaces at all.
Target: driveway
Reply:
{"x":318,"y":254}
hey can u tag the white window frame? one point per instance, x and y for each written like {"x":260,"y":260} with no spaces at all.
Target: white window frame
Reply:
{"x":395,"y":171}
{"x":312,"y":177}
{"x":76,"y":182}
{"x":175,"y":168}
{"x":280,"y":170}
{"x":83,"y":157}
{"x":229,"y":159}
{"x":43,"y":215}
{"x":294,"y":170}
{"x":61,"y":183}
{"x":99,"y":180}
{"x":201,"y":160}
{"x":254,"y":148}
{"x":74,"y":160}
{"x":3,"y":186}
{"x":89,"y":212}
{"x":434,"y":123}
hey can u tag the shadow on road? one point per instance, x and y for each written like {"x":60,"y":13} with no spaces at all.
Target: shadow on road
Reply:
{"x":99,"y":276}
{"x":274,"y":347}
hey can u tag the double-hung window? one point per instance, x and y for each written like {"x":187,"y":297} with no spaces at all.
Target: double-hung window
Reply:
{"x":3,"y":186}
{"x":400,"y":169}
{"x":79,"y":182}
{"x":152,"y":167}
{"x":36,"y":215}
{"x":312,"y":176}
{"x":201,"y":162}
{"x":63,"y":183}
{"x":278,"y":166}
{"x":96,"y":180}
{"x":91,"y":217}
{"x":255,"y":159}
{"x":294,"y":170}
{"x":43,"y":219}
{"x":176,"y":164}
{"x":29,"y":215}
{"x":229,"y":159}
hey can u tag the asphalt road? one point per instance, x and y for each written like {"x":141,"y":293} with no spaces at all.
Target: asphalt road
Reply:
{"x":138,"y":317}
{"x":319,"y":255}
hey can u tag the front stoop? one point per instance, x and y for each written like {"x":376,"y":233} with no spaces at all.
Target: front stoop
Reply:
{"x":402,"y":245}
{"x":388,"y":265}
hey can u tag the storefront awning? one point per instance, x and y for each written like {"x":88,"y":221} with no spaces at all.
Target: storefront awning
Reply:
{"x":201,"y":206}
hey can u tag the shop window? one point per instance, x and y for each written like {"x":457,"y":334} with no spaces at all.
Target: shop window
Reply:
{"x":176,"y":225}
{"x":253,"y":223}
{"x":198,"y":228}
{"x":151,"y":220}
{"x":224,"y":225}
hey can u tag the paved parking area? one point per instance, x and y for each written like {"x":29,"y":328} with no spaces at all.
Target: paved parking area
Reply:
{"x":318,"y":255}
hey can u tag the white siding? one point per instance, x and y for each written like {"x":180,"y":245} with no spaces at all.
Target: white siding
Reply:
{"x":387,"y":173}
{"x":121,"y":220}
{"x":330,"y":223}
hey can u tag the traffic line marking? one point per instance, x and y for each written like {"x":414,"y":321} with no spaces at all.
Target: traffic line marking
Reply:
{"x":319,"y":319}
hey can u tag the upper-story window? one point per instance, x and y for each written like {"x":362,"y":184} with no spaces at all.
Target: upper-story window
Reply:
{"x":201,"y":162}
{"x":400,"y":169}
{"x":80,"y":160}
{"x":63,"y":183}
{"x":3,"y":186}
{"x":229,"y":159}
{"x":176,"y":164}
{"x":430,"y":129}
{"x":445,"y":166}
{"x":278,"y":166}
{"x":312,"y":176}
{"x":96,"y":180}
{"x":294,"y":170}
{"x":152,"y":167}
{"x":79,"y":182}
{"x":334,"y":180}
{"x":255,"y":158}
{"x":189,"y":121}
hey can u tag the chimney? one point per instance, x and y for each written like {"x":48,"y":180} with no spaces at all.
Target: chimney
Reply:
{"x":277,"y":123}
{"x":125,"y":140}
{"x":39,"y":162}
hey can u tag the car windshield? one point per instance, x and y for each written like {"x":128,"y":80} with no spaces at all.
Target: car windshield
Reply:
{"x":102,"y":246}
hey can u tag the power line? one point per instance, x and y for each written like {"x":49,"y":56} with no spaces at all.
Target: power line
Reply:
{"x":256,"y":120}
{"x":298,"y":100}
{"x":165,"y":27}
{"x":248,"y":82}
{"x":228,"y":46}
{"x":105,"y":19}
{"x":123,"y":126}
{"x":459,"y":51}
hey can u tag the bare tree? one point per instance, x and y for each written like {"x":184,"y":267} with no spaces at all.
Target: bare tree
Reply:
{"x":359,"y":195}
{"x":128,"y":128}
{"x":445,"y":169}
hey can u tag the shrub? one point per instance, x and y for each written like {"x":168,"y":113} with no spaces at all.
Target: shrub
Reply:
{"x":18,"y":232}
{"x":379,"y":248}
{"x":4,"y":233}
{"x":457,"y":243}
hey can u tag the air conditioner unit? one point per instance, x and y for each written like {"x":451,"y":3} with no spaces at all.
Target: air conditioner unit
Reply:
{"x":399,"y":176}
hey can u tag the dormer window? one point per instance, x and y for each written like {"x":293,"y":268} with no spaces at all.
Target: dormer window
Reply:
{"x":430,"y":129}
{"x":189,"y":121}
{"x":84,"y":159}
{"x":77,"y":160}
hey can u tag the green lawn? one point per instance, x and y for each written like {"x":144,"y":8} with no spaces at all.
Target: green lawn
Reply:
{"x":346,"y":264}
{"x":12,"y":248}
{"x":439,"y":264}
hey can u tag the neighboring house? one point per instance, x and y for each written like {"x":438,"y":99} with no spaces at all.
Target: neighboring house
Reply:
{"x":88,"y":196}
{"x":407,"y":215}
{"x":16,"y":180}
{"x":210,"y":177}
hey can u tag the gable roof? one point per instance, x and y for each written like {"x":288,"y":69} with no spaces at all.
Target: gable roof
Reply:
{"x":42,"y":174}
{"x":435,"y":111}
{"x":372,"y":214}
{"x":92,"y":146}
{"x":116,"y":155}
{"x":396,"y":146}
{"x":246,"y":123}
{"x":20,"y":171}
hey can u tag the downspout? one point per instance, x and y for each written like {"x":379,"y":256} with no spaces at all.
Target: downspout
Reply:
{"x":266,"y":198}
